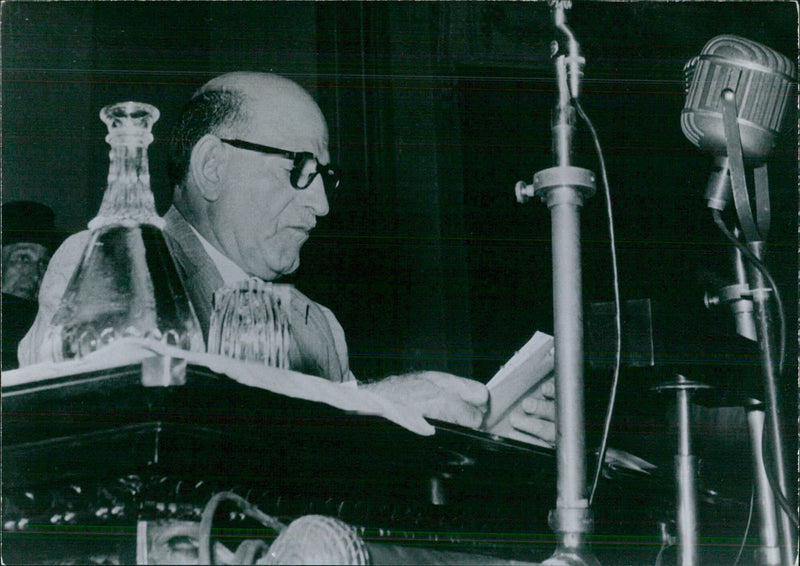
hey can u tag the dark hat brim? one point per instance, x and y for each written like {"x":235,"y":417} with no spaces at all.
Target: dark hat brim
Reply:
{"x":29,"y":221}
{"x":49,"y":238}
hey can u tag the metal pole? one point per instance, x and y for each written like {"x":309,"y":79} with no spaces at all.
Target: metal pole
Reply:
{"x":563,"y":188}
{"x":769,"y":551}
{"x":568,"y":316}
{"x":572,"y":517}
{"x":685,"y":469}
{"x":760,"y":294}
{"x":685,"y":473}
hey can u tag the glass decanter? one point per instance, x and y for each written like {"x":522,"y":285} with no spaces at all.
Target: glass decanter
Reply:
{"x":126,"y":283}
{"x":250,"y":323}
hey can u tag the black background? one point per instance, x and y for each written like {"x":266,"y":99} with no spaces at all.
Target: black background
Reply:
{"x":435,"y":110}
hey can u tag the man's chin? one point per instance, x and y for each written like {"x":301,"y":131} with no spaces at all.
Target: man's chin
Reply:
{"x":276,"y":272}
{"x":291,"y":269}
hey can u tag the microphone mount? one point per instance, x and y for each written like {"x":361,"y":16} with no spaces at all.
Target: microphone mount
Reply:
{"x":737,"y":92}
{"x":738,"y":296}
{"x":573,"y":59}
{"x":755,"y":228}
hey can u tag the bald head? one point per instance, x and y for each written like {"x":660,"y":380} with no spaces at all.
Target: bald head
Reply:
{"x":287,"y":113}
{"x":250,"y":81}
{"x":242,"y":201}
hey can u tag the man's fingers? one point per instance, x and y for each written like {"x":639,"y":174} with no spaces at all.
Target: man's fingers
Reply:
{"x":437,"y":395}
{"x":542,"y":408}
{"x":471,"y":391}
{"x":461,"y":414}
{"x":547,"y":390}
{"x":545,"y":430}
{"x":452,"y":409}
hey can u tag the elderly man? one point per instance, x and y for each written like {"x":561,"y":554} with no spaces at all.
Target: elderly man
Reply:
{"x":249,"y":164}
{"x":29,"y":238}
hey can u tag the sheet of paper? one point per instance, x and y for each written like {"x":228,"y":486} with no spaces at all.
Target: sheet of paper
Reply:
{"x":526,"y":370}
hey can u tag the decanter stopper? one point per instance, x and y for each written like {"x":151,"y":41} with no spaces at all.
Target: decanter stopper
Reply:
{"x":126,"y":283}
{"x":128,"y":199}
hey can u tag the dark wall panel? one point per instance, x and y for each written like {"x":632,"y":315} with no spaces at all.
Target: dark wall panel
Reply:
{"x":436,"y":110}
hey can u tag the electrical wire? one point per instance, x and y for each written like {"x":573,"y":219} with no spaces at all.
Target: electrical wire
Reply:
{"x":601,"y":456}
{"x":249,"y":549}
{"x":780,"y":497}
{"x":747,"y":527}
{"x":667,"y":541}
{"x":660,"y":555}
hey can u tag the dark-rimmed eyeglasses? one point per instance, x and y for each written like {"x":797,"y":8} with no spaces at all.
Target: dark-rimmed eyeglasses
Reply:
{"x":305,"y":166}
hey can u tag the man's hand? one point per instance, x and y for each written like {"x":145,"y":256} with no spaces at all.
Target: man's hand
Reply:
{"x":533,"y":419}
{"x":437,"y":395}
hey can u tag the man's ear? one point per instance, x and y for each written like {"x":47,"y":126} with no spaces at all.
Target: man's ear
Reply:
{"x":207,"y":166}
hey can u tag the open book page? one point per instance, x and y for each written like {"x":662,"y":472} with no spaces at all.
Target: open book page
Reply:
{"x":526,"y":370}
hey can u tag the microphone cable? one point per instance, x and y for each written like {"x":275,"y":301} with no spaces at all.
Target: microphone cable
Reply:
{"x":751,"y":257}
{"x":780,"y":497}
{"x":747,"y":526}
{"x":249,"y":550}
{"x":601,"y":456}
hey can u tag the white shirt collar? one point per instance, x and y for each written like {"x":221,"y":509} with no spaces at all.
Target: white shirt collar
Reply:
{"x":230,"y":272}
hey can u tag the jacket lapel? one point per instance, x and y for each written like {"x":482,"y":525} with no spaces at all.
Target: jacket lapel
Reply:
{"x":198,"y":273}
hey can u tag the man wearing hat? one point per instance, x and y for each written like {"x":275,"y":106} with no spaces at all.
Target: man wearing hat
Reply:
{"x":29,"y":238}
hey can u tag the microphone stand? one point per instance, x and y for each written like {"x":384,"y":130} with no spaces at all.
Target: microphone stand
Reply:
{"x":685,"y":470}
{"x":754,"y":232}
{"x":770,"y":550}
{"x":772,"y":434}
{"x":563,"y":188}
{"x":738,"y":296}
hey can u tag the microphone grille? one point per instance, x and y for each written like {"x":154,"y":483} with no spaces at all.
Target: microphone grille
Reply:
{"x":763,"y":81}
{"x":318,"y":539}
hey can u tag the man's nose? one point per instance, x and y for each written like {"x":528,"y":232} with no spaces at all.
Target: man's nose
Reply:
{"x":315,"y":198}
{"x":27,"y":268}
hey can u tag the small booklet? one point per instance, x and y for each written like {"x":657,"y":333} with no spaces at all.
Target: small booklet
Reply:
{"x":526,"y":370}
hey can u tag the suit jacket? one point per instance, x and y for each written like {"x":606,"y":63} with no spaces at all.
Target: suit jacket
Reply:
{"x":318,"y":344}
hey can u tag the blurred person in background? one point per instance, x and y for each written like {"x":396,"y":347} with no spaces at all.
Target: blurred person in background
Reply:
{"x":29,"y":239}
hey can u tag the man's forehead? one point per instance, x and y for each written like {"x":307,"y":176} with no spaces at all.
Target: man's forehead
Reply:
{"x":296,"y":128}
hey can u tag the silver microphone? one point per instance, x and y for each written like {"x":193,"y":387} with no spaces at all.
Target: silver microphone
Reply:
{"x":762,"y":81}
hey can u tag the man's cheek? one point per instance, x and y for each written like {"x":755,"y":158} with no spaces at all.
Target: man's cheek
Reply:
{"x":10,"y":277}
